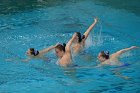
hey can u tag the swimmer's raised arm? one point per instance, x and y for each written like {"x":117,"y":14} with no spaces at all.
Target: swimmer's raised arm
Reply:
{"x":90,"y":28}
{"x":118,"y":53}
{"x":47,"y":50}
{"x":70,"y":43}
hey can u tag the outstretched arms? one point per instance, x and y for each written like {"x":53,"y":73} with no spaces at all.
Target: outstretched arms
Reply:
{"x":47,"y":50}
{"x":118,"y":53}
{"x":89,"y":29}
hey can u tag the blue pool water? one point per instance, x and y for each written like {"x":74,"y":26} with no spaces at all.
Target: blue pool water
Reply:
{"x":40,"y":24}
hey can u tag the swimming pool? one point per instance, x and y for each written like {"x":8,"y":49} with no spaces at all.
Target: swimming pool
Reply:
{"x":44,"y":23}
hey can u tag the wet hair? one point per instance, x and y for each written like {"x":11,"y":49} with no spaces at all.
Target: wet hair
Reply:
{"x":80,"y":37}
{"x":34,"y":52}
{"x":105,"y":54}
{"x":61,"y":47}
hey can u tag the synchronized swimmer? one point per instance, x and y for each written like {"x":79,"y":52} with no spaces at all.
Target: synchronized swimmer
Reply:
{"x":63,"y":52}
{"x":33,"y":53}
{"x":77,"y":42}
{"x":112,"y":59}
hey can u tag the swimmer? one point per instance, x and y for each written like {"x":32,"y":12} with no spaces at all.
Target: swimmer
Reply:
{"x":63,"y":52}
{"x":112,"y":59}
{"x":79,"y":41}
{"x":33,"y":53}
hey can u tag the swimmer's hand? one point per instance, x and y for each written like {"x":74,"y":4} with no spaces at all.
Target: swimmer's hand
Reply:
{"x":95,"y":20}
{"x":133,"y":47}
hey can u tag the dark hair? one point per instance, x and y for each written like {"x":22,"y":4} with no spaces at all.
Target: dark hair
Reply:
{"x":33,"y":52}
{"x":80,"y":37}
{"x":61,"y":47}
{"x":105,"y":54}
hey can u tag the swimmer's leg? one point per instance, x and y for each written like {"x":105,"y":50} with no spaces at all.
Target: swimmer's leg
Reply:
{"x":117,"y":73}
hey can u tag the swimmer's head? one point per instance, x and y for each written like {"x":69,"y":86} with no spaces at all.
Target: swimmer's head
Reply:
{"x":103,"y":56}
{"x":60,"y":50}
{"x":79,"y":37}
{"x":32,"y":51}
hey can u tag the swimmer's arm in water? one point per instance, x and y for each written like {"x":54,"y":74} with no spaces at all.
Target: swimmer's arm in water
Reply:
{"x":89,"y":29}
{"x":117,"y":73}
{"x":70,"y":43}
{"x":26,"y":60}
{"x":118,"y":53}
{"x":17,"y":59}
{"x":46,"y":50}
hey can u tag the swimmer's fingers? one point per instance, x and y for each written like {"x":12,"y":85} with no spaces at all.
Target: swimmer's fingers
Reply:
{"x":135,"y":47}
{"x":96,"y":19}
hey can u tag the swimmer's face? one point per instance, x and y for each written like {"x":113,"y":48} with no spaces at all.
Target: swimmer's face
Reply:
{"x":76,"y":39}
{"x":59,"y":53}
{"x":28,"y":52}
{"x":101,"y":58}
